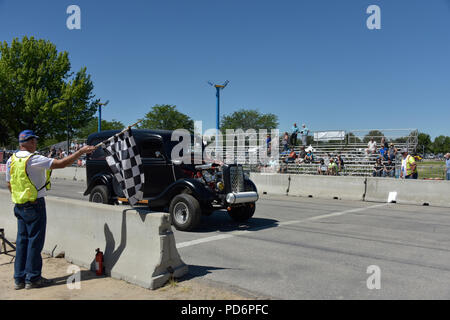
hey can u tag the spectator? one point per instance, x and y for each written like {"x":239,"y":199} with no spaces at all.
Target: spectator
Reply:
{"x":292,"y":156}
{"x":309,"y":158}
{"x":302,"y":154}
{"x":389,"y":169}
{"x":332,"y":168}
{"x":285,"y":142}
{"x":392,"y":152}
{"x":269,"y":143}
{"x":327,"y":159}
{"x":447,"y":166}
{"x":409,"y":167}
{"x":52,"y":153}
{"x":340,"y":163}
{"x":294,"y":135}
{"x":322,"y":169}
{"x":384,"y":143}
{"x":384,"y":152}
{"x":304,"y":132}
{"x":378,"y":168}
{"x":371,"y":147}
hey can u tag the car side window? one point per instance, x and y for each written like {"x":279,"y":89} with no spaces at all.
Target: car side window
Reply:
{"x":152,"y":149}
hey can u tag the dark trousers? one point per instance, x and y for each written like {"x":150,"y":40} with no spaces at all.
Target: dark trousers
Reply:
{"x":31,"y":224}
{"x":415,"y":175}
{"x":293,"y":139}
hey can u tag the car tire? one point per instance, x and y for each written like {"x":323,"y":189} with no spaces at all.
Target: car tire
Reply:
{"x":242,"y":214}
{"x":100,"y":194}
{"x":185,"y":212}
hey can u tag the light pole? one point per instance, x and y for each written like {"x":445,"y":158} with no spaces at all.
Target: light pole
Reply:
{"x":218,"y":88}
{"x":68,"y":106}
{"x":100,"y":114}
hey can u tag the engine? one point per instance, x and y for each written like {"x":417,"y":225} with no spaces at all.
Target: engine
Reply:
{"x":211,"y":175}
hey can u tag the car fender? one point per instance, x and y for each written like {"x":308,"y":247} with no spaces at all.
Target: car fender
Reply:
{"x":250,"y":185}
{"x":196,"y":188}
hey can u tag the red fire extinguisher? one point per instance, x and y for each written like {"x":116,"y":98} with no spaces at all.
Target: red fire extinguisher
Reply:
{"x":99,"y":262}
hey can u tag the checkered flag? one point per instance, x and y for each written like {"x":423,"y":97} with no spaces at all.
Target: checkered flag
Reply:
{"x":122,"y":156}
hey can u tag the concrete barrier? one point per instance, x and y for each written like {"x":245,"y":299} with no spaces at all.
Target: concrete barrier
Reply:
{"x":419,"y":192}
{"x":138,"y":245}
{"x":70,"y":173}
{"x":328,"y":187}
{"x":347,"y":188}
{"x":276,"y":184}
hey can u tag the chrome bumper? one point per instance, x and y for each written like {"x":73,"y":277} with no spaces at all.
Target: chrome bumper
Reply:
{"x":241,"y":197}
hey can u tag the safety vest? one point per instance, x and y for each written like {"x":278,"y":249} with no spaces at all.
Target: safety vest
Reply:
{"x":22,"y":188}
{"x":409,"y":171}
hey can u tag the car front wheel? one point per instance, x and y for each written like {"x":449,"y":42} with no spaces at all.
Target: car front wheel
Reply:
{"x":185,"y":212}
{"x":99,"y":194}
{"x":242,"y":214}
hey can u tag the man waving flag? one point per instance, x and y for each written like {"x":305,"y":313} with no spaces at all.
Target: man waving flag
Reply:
{"x":122,"y":156}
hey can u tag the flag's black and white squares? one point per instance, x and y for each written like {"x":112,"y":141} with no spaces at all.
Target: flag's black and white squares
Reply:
{"x":122,"y":156}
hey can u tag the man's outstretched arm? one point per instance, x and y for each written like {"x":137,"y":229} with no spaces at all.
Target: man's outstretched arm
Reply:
{"x":67,"y":161}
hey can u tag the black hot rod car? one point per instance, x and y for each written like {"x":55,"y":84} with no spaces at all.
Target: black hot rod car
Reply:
{"x":186,"y":191}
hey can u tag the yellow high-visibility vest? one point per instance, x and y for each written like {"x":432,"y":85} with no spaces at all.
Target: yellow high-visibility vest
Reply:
{"x":409,"y":171}
{"x":22,"y":188}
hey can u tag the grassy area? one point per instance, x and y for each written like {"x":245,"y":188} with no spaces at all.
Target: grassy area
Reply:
{"x":431,"y":169}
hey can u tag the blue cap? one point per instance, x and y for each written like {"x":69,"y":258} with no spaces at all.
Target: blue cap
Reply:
{"x":26,"y":135}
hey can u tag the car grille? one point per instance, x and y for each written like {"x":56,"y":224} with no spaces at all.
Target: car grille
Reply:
{"x":237,"y":179}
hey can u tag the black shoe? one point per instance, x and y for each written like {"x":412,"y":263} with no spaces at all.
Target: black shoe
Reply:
{"x":19,"y":285}
{"x":42,"y":282}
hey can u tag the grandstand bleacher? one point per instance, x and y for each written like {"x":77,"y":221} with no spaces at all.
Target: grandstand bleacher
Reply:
{"x":352,"y":150}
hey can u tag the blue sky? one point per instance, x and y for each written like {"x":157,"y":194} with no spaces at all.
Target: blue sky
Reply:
{"x":308,"y":61}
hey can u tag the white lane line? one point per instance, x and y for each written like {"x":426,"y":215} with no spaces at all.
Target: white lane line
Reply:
{"x":235,"y":233}
{"x":329,"y":215}
{"x":207,"y":239}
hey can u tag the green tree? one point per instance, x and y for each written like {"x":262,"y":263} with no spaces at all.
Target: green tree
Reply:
{"x":424,"y":143}
{"x":375,"y":134}
{"x":249,"y":119}
{"x":92,"y":127}
{"x":38,"y":91}
{"x":351,"y":138}
{"x":441,"y":144}
{"x":166,"y":117}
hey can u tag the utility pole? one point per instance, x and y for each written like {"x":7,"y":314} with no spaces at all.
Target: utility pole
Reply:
{"x":100,"y":114}
{"x":218,"y":88}
{"x":67,"y":123}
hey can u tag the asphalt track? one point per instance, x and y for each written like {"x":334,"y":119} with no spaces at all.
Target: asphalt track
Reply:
{"x":303,"y":248}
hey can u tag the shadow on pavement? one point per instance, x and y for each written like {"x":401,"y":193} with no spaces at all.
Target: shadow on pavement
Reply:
{"x":199,"y":271}
{"x":220,"y":221}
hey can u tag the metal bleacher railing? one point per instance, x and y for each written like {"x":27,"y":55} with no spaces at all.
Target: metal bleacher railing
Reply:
{"x":352,"y":149}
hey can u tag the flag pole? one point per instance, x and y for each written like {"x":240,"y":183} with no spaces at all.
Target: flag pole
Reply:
{"x":127,"y":128}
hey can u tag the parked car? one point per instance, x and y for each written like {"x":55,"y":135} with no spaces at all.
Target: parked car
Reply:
{"x":186,"y":191}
